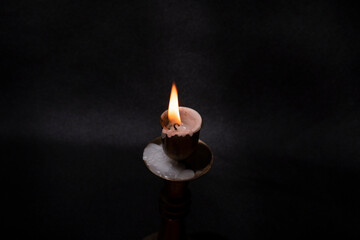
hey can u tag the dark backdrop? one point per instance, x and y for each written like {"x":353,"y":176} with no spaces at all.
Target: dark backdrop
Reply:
{"x":84,"y":84}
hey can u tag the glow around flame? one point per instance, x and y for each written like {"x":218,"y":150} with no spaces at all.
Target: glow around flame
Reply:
{"x":173,"y":111}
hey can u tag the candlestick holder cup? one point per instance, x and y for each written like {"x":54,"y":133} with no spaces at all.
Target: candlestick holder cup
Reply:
{"x":179,"y":143}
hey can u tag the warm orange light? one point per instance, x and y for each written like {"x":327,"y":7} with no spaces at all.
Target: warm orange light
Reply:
{"x":173,"y":111}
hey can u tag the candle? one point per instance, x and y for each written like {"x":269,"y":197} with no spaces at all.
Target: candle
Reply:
{"x":180,"y":129}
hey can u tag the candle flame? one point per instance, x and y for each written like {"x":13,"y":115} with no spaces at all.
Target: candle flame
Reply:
{"x":173,"y":111}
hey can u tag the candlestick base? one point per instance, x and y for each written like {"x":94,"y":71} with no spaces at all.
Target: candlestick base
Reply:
{"x":174,"y":202}
{"x":152,"y":236}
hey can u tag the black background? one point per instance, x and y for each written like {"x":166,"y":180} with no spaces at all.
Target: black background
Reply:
{"x":84,"y":84}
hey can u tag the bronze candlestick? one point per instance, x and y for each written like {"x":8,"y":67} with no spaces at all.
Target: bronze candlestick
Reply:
{"x":174,"y":203}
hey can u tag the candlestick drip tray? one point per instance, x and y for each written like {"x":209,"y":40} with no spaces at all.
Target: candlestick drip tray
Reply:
{"x":161,"y":165}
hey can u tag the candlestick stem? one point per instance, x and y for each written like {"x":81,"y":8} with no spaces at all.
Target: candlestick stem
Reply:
{"x":174,"y":206}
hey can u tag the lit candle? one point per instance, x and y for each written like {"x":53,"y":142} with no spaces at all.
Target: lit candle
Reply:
{"x":181,"y":129}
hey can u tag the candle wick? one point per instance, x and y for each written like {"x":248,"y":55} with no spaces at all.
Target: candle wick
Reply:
{"x":175,"y":126}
